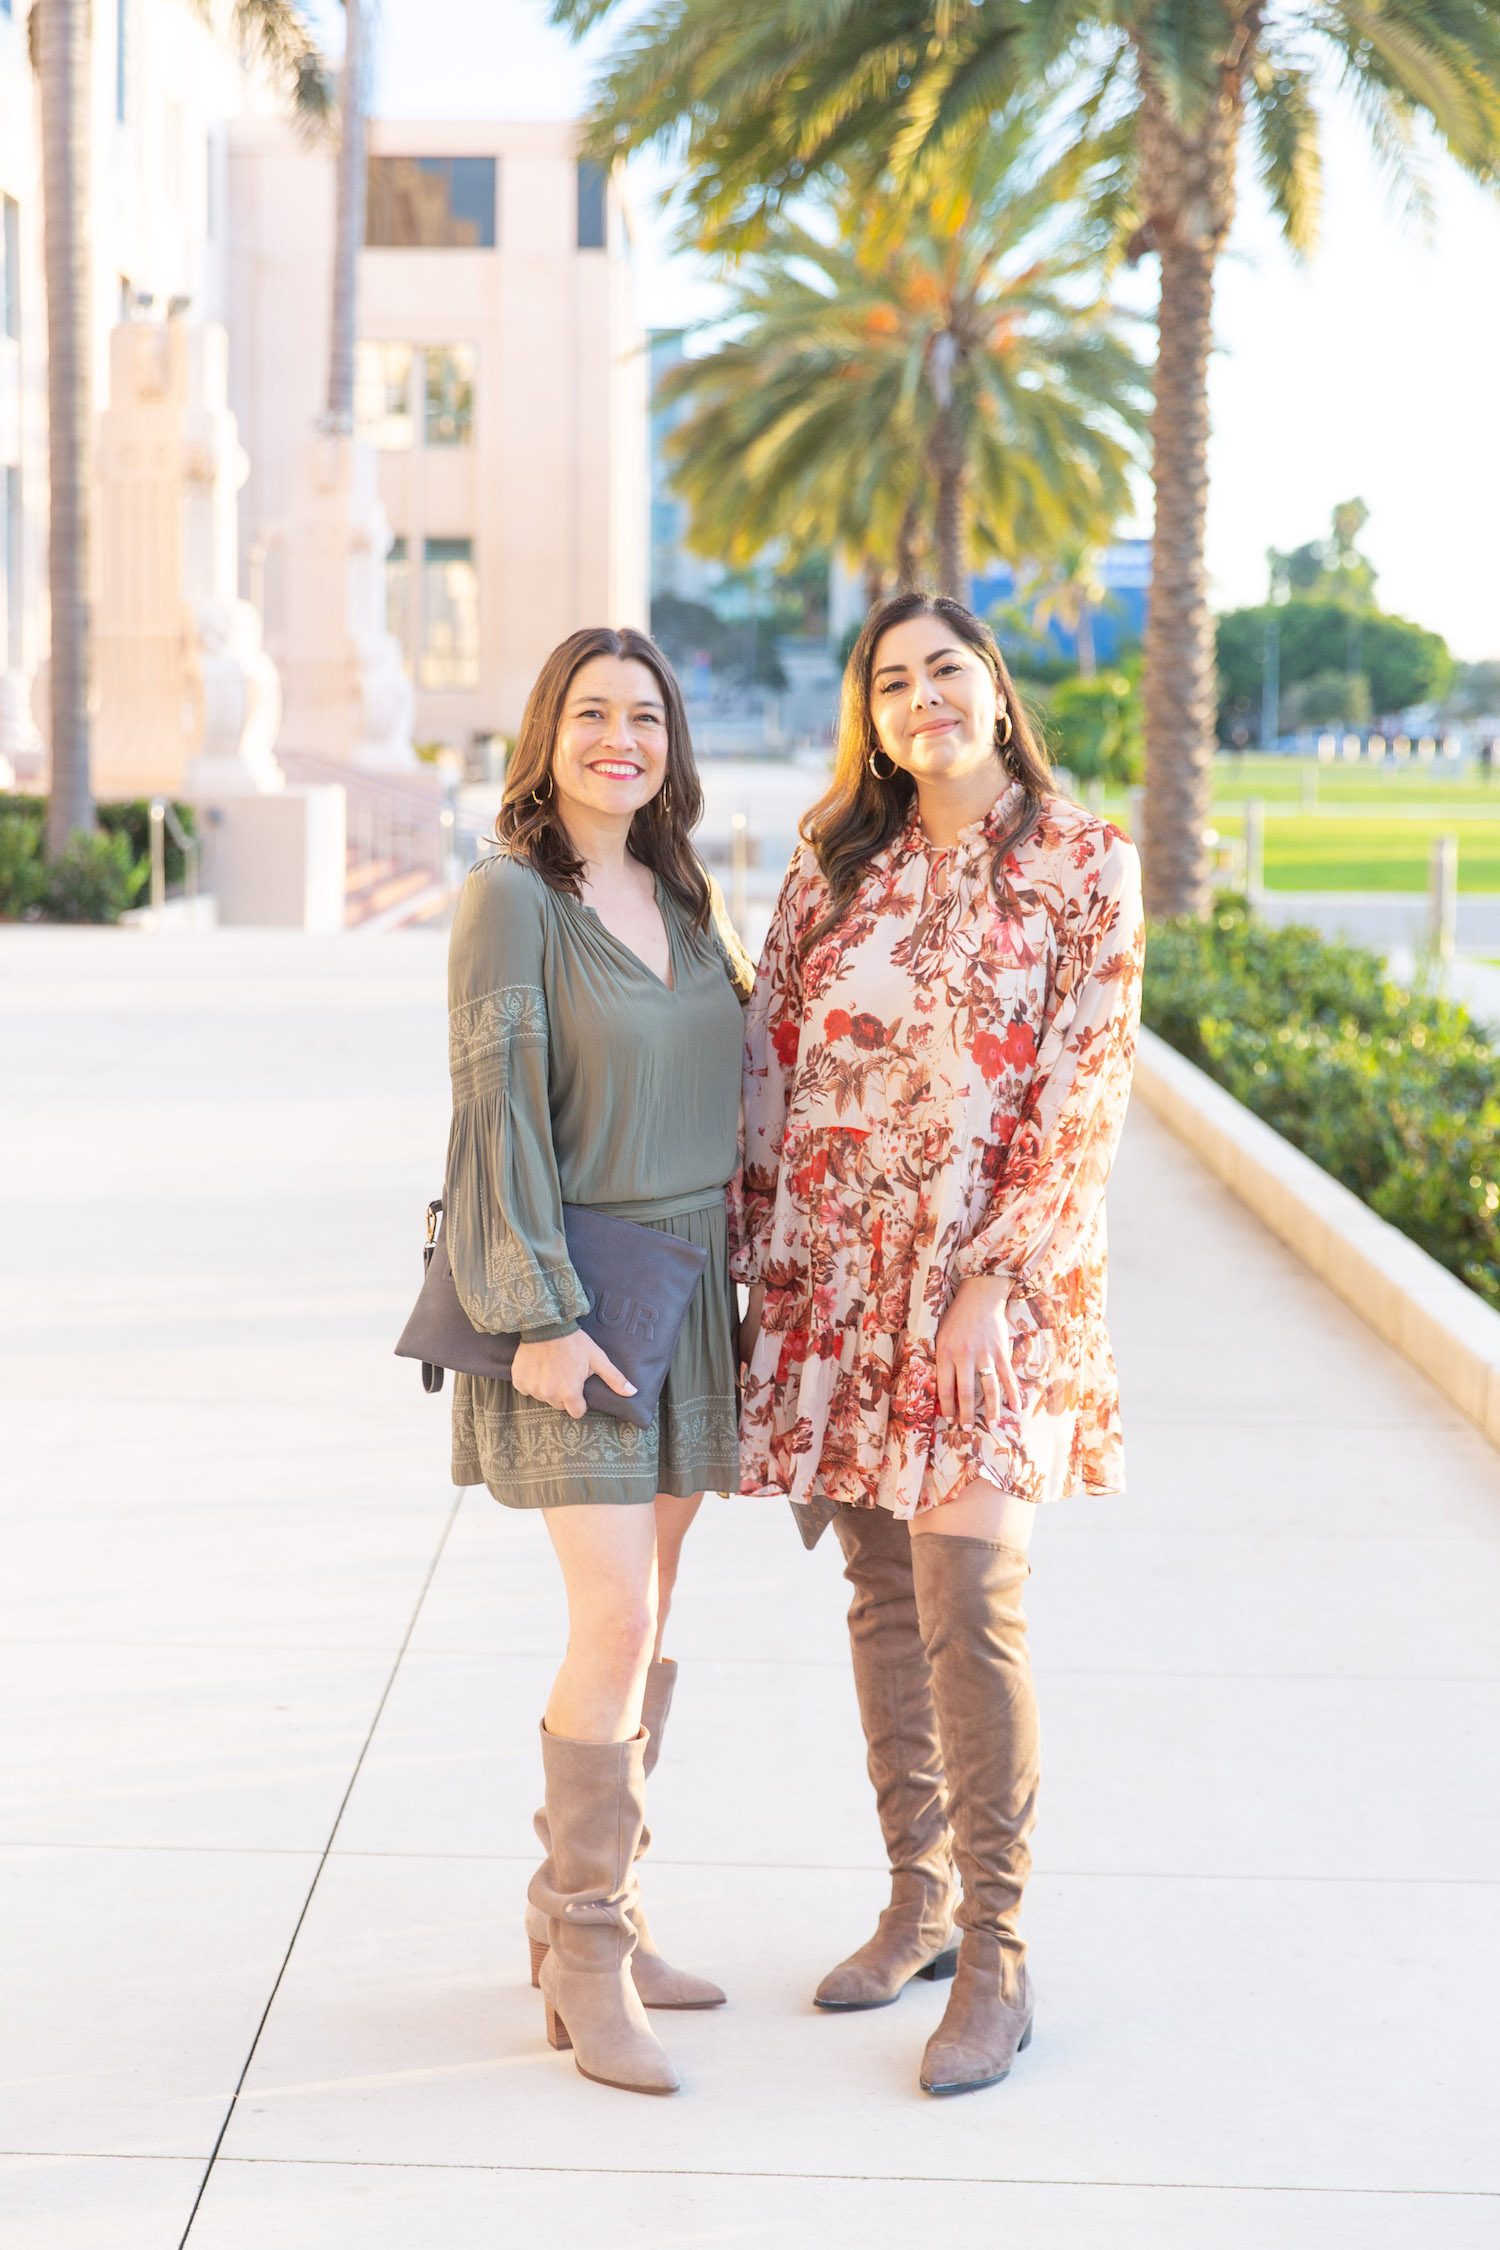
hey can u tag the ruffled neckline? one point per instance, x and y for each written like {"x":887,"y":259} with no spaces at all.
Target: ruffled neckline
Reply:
{"x":979,"y":835}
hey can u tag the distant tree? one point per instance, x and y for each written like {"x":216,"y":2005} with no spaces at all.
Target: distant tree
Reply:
{"x":1400,"y":663}
{"x":1331,"y":569}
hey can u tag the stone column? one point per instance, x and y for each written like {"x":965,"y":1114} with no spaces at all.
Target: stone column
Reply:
{"x":188,"y":699}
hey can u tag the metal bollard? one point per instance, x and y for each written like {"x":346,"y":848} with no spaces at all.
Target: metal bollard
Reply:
{"x":1255,"y":849}
{"x":739,"y":863}
{"x":1443,"y":896}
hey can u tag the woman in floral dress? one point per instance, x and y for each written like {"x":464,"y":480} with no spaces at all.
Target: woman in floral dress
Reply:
{"x":939,"y":1054}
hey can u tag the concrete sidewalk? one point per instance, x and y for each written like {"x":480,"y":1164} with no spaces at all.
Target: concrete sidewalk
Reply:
{"x":273,"y":1699}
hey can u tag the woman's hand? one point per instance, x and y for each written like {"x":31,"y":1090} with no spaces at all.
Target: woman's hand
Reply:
{"x":750,"y":1325}
{"x":973,"y":1351}
{"x":555,"y":1372}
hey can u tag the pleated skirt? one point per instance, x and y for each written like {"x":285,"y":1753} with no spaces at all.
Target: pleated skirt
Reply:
{"x":533,"y":1456}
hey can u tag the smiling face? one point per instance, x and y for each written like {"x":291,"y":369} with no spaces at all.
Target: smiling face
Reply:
{"x":933,"y":701}
{"x":611,"y":751}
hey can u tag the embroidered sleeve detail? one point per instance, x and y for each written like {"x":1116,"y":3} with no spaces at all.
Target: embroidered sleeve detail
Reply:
{"x":482,"y":1032}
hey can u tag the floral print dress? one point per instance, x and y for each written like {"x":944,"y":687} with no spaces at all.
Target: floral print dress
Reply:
{"x":937,"y":1090}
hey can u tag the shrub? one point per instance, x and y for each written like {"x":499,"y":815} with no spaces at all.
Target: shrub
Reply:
{"x":1395,"y":1092}
{"x":22,"y":873}
{"x":93,"y":880}
{"x":89,"y":883}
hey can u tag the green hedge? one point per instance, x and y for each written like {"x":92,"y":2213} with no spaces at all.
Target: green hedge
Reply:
{"x":1396,"y":1092}
{"x":96,"y":878}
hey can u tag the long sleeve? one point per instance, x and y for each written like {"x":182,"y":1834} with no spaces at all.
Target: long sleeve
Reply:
{"x":1059,"y":1160}
{"x":773,"y":1024}
{"x":503,"y":1200}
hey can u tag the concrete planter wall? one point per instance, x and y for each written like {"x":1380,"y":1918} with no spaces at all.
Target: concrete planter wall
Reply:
{"x":1407,"y":1297}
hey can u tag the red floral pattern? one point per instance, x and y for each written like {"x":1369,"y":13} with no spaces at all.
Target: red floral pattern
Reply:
{"x":955,"y":1111}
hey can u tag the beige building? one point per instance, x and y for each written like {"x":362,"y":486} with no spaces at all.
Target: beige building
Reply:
{"x":501,"y":380}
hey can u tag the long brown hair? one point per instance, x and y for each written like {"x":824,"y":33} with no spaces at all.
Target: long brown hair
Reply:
{"x":859,"y":814}
{"x":529,"y":823}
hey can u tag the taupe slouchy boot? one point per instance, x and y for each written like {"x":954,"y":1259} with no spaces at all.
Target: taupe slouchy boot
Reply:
{"x":914,"y":1936}
{"x":969,"y":1602}
{"x":657,"y":1982}
{"x":595,"y":1804}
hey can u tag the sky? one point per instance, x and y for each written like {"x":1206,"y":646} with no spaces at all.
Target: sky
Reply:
{"x":1371,"y":372}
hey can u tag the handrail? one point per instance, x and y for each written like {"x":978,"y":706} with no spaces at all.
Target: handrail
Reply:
{"x":163,"y":817}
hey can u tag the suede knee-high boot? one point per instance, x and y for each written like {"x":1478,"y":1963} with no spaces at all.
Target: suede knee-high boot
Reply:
{"x":974,"y":1629}
{"x":658,"y":1983}
{"x":596,"y":1795}
{"x":914,"y":1936}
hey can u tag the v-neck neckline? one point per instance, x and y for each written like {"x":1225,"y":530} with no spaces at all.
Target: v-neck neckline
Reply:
{"x":629,"y":951}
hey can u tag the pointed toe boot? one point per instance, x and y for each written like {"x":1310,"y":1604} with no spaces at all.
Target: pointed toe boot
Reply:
{"x":595,"y":1807}
{"x":659,"y":1984}
{"x":969,"y":1595}
{"x":914,"y":1936}
{"x":986,"y":2023}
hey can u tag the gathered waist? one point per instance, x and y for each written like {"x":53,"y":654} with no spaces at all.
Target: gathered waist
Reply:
{"x":648,"y":1209}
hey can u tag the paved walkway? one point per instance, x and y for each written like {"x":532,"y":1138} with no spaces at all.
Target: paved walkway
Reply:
{"x":272,"y":1700}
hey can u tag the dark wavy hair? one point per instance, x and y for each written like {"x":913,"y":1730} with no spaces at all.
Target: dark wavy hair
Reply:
{"x":660,"y":834}
{"x":859,"y":814}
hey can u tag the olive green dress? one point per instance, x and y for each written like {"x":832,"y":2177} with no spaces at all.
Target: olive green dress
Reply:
{"x":579,"y":1077}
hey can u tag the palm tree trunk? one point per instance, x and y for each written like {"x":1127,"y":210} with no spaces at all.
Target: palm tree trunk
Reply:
{"x":1188,"y":192}
{"x":910,"y":546}
{"x":1083,"y":640}
{"x":350,"y":233}
{"x":951,"y":473}
{"x":1179,"y":672}
{"x":872,"y":570}
{"x":64,"y":62}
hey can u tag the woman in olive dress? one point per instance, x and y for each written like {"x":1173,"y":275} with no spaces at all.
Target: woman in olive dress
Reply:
{"x":939,"y":1055}
{"x":595,"y":1038}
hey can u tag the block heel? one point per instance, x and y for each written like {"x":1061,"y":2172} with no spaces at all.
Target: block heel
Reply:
{"x":538,"y":1956}
{"x":936,"y":1972}
{"x":557,"y":2030}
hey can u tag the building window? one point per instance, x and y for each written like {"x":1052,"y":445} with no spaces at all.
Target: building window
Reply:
{"x":10,"y":279}
{"x":593,"y":207}
{"x":431,"y":203}
{"x":398,"y":597}
{"x":449,"y":416}
{"x":382,"y":395}
{"x":450,"y":616}
{"x":10,"y":563}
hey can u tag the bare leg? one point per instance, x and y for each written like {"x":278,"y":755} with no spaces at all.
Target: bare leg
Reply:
{"x":981,"y":1511}
{"x":673,"y":1520}
{"x":608,"y":1558}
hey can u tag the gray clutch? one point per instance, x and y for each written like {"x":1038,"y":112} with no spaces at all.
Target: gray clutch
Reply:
{"x":639,"y":1284}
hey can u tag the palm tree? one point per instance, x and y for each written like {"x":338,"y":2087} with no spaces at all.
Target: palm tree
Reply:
{"x":948,"y":368}
{"x":349,"y":226}
{"x":60,"y":34}
{"x":1070,"y":594}
{"x":771,"y":93}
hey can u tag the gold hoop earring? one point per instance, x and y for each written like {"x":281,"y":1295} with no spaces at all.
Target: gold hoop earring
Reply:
{"x":871,"y":767}
{"x":538,"y":799}
{"x":1004,"y":739}
{"x":664,"y":799}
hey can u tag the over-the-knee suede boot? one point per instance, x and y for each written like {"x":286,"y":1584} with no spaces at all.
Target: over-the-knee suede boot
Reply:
{"x":969,"y":1602}
{"x":657,"y":1982}
{"x":914,"y":1937}
{"x":596,"y":1794}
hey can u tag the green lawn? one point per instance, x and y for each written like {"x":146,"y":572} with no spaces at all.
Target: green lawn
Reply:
{"x":1371,"y":855}
{"x":1366,"y":852}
